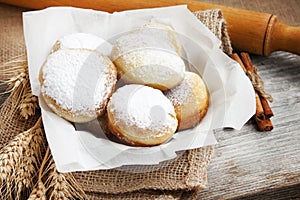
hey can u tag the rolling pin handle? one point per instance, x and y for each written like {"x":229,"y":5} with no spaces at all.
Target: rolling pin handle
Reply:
{"x":281,"y":37}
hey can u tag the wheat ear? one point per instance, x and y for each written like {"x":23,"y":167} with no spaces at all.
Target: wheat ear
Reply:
{"x":14,"y":72}
{"x":39,"y":193}
{"x":62,"y":185}
{"x":10,"y":157}
{"x":19,"y":161}
{"x":16,"y":93}
{"x":26,"y":173}
{"x":18,"y":83}
{"x":28,"y":103}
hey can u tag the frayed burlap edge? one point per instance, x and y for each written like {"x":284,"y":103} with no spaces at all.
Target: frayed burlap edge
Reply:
{"x":186,"y":172}
{"x":215,"y":22}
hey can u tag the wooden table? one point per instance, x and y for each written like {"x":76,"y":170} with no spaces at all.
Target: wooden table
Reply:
{"x":246,"y":164}
{"x":263,"y":164}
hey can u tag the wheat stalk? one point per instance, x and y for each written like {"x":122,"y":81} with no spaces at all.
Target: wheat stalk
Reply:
{"x":18,"y":77}
{"x":10,"y":157}
{"x":13,"y":68}
{"x":38,"y":193}
{"x":19,"y":160}
{"x":16,"y":95}
{"x":62,"y":185}
{"x":26,"y":173}
{"x":28,"y":103}
{"x":17,"y":80}
{"x":14,"y":73}
{"x":57,"y":185}
{"x":18,"y":84}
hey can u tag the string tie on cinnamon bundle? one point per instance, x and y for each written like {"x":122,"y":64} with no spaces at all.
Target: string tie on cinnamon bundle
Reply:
{"x":258,"y":84}
{"x":263,"y":110}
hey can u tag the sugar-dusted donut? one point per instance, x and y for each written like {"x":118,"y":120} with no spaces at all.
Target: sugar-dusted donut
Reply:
{"x":77,"y":83}
{"x":190,"y":100}
{"x":149,"y":55}
{"x":141,"y":116}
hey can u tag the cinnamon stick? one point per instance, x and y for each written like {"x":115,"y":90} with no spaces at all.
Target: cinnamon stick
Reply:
{"x":261,"y":103}
{"x":247,"y":61}
{"x":264,"y":125}
{"x":266,"y":107}
{"x":263,"y":111}
{"x":260,"y":114}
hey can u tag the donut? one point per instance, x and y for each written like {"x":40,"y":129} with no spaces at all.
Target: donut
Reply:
{"x":141,"y":116}
{"x":190,"y":100}
{"x":83,"y":41}
{"x":149,"y":55}
{"x":173,"y":44}
{"x":103,"y":122}
{"x":77,"y":83}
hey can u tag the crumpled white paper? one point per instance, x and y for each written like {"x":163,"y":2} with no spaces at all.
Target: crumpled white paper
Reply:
{"x":84,"y":147}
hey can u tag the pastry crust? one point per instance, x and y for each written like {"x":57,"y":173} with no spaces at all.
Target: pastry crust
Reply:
{"x":149,"y":55}
{"x":190,"y":99}
{"x":136,"y":127}
{"x":75,"y":97}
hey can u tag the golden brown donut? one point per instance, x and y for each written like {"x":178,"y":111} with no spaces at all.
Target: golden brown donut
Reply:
{"x":141,"y":116}
{"x":77,"y":83}
{"x":190,"y":100}
{"x":149,"y":55}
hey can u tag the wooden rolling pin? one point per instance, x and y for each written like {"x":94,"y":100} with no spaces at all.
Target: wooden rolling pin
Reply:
{"x":254,"y":32}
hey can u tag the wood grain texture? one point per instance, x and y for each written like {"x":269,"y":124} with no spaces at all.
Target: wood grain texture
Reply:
{"x":286,"y":10}
{"x":281,"y":37}
{"x":247,"y":162}
{"x":283,"y":193}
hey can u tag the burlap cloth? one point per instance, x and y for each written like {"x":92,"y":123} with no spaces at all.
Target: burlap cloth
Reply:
{"x":182,"y":178}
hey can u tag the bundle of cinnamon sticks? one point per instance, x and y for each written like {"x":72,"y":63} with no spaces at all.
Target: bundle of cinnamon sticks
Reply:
{"x":263,"y":110}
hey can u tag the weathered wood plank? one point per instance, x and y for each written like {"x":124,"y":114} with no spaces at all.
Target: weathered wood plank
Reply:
{"x":246,"y":162}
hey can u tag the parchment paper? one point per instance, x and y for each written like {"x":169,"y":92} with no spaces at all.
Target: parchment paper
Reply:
{"x":83,"y":146}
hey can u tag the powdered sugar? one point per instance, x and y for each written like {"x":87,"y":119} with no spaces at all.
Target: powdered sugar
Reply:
{"x":144,"y":107}
{"x":183,"y":92}
{"x":78,"y":80}
{"x":145,"y":37}
{"x":85,"y":41}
